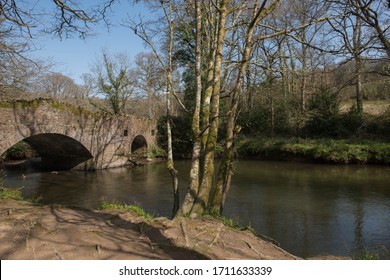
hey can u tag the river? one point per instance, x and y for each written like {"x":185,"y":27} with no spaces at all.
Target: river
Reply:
{"x":309,"y":209}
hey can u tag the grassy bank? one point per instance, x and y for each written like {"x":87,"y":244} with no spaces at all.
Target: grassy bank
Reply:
{"x":107,"y":205}
{"x":316,"y":150}
{"x":6,"y":193}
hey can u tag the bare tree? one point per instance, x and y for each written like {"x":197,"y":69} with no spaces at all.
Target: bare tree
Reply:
{"x":146,"y":32}
{"x":59,"y":86}
{"x":376,"y":14}
{"x":355,"y":41}
{"x":66,"y":18}
{"x":150,"y":82}
{"x":21,"y":20}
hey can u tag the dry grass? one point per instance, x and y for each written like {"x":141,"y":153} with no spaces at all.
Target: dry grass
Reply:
{"x":372,"y":107}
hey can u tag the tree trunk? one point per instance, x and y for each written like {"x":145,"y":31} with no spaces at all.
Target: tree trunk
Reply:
{"x":195,"y":162}
{"x":172,"y":171}
{"x":226,"y":169}
{"x":170,"y":162}
{"x":358,"y":86}
{"x":357,"y":34}
{"x":304,"y":73}
{"x":202,"y":199}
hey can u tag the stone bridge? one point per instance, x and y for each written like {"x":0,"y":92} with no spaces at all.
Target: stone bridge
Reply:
{"x":67,"y":136}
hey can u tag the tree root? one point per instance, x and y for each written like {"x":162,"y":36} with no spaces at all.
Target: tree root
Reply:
{"x":216,"y":237}
{"x":183,"y":228}
{"x":257,"y":252}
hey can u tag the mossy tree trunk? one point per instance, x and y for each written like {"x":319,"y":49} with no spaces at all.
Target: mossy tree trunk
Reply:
{"x":207,"y":173}
{"x":168,"y":12}
{"x":196,"y":151}
{"x":227,"y":164}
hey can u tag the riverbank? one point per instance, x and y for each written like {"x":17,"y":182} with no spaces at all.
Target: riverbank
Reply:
{"x":29,"y":231}
{"x":316,"y":150}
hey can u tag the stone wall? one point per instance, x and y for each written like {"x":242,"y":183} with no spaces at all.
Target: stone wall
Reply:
{"x":65,"y":135}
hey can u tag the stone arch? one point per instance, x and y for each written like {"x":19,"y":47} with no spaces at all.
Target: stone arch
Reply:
{"x":139,"y":146}
{"x":58,"y":151}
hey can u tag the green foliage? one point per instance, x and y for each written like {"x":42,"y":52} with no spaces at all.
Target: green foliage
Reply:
{"x":351,"y":122}
{"x":34,"y":199}
{"x":257,"y":120}
{"x":366,"y":255}
{"x":7,"y":193}
{"x":226,"y":221}
{"x":379,"y":125}
{"x":181,"y":135}
{"x":229,"y":222}
{"x":123,"y":206}
{"x":156,"y":152}
{"x":324,"y":109}
{"x":20,"y":150}
{"x":324,"y":102}
{"x":114,"y":82}
{"x":318,"y":150}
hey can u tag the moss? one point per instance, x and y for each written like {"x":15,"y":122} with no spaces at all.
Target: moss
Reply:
{"x":6,"y":104}
{"x":55,"y":104}
{"x":21,"y":103}
{"x":75,"y":110}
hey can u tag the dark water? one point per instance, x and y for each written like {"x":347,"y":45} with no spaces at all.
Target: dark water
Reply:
{"x":310,"y":209}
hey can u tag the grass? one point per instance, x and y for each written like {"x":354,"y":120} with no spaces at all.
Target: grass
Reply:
{"x":373,"y":107}
{"x":317,"y":150}
{"x":123,"y":206}
{"x":229,"y":222}
{"x":367,"y":255}
{"x":7,"y":193}
{"x":34,"y":199}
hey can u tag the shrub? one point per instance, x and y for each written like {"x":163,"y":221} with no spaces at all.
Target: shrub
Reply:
{"x":351,"y":122}
{"x":20,"y":150}
{"x":156,"y":152}
{"x":319,"y":150}
{"x":324,"y":108}
{"x":181,"y":136}
{"x":10,"y":193}
{"x":380,"y":126}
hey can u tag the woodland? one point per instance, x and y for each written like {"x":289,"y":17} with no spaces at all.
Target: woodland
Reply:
{"x":224,"y":79}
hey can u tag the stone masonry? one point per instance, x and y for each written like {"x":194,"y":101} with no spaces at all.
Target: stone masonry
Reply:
{"x":69,"y":137}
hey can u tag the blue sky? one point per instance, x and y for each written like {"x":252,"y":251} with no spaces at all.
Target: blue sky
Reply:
{"x":73,"y":57}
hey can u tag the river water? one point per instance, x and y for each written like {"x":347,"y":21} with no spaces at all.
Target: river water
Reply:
{"x":309,"y":209}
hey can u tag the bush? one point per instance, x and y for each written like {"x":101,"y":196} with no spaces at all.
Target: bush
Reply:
{"x":351,"y":123}
{"x":324,"y":119}
{"x":181,"y":136}
{"x":19,"y":151}
{"x":319,"y":150}
{"x":156,"y":152}
{"x":6,"y":193}
{"x":258,"y":121}
{"x":379,"y":126}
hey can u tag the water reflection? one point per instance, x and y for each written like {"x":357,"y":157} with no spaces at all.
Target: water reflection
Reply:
{"x":310,"y":209}
{"x":315,"y":209}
